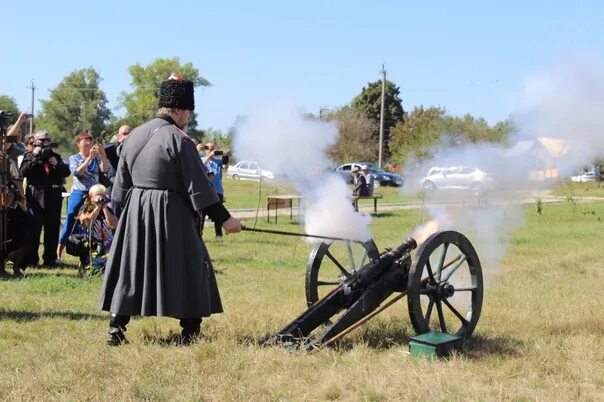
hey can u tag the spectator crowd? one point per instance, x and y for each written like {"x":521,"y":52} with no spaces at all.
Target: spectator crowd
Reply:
{"x":33,"y":197}
{"x":32,"y":191}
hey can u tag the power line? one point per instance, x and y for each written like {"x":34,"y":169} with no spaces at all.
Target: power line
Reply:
{"x":381,"y":148}
{"x":33,"y":87}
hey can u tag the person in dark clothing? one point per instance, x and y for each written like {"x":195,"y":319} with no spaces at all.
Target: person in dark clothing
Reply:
{"x":12,"y":198}
{"x":213,"y":166}
{"x":162,"y":187}
{"x":360,"y":183}
{"x":113,"y":149}
{"x":16,"y":244}
{"x":45,"y":173}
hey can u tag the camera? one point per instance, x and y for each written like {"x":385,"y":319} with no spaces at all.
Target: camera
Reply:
{"x":46,"y":154}
{"x":3,"y":115}
{"x":218,"y":153}
{"x":101,"y":201}
{"x":29,"y":115}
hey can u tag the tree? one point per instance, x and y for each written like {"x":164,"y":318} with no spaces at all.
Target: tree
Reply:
{"x":369,"y":103}
{"x":141,"y":103}
{"x":75,"y":105}
{"x":468,"y":129}
{"x":8,"y":104}
{"x":421,"y":130}
{"x":222,"y":140}
{"x":425,"y":128}
{"x":356,"y":136}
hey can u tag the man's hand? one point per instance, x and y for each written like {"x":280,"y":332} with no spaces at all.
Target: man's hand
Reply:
{"x":232,"y":225}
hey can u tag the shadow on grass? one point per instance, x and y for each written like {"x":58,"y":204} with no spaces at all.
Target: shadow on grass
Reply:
{"x":70,"y":270}
{"x":382,"y":214}
{"x":476,"y":347}
{"x":20,"y":316}
{"x":479,"y":346}
{"x":173,"y":338}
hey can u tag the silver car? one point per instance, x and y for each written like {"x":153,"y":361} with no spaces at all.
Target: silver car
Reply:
{"x":249,"y":170}
{"x":456,"y":177}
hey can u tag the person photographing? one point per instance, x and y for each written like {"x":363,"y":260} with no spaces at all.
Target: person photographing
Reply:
{"x":45,"y":173}
{"x":86,"y":166}
{"x":213,"y":163}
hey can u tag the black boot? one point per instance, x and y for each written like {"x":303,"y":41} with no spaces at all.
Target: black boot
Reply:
{"x":191,"y":329}
{"x":117,"y":327}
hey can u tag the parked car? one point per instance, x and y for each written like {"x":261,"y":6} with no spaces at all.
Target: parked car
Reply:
{"x":380,"y":176}
{"x":249,"y":170}
{"x":456,"y":177}
{"x":583,"y":177}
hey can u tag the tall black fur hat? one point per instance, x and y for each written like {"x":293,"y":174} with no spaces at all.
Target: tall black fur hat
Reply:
{"x":177,"y":93}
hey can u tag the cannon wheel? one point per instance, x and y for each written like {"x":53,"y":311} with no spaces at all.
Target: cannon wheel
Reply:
{"x":445,"y":288}
{"x":329,"y":264}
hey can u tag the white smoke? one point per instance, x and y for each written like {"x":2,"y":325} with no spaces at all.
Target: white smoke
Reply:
{"x":282,"y":139}
{"x":559,"y":129}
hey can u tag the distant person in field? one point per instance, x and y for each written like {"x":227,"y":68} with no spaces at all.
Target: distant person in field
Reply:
{"x":360,"y":183}
{"x":368,"y":179}
{"x":158,"y":264}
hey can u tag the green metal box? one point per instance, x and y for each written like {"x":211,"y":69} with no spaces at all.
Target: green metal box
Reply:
{"x":434,"y":344}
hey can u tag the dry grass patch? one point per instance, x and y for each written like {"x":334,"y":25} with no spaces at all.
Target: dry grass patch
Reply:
{"x":539,"y":337}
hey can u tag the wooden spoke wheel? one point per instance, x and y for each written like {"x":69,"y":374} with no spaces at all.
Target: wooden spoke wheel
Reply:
{"x":445,"y":287}
{"x":329,"y":264}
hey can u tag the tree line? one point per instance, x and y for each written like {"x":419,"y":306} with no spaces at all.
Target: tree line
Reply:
{"x":78,"y":103}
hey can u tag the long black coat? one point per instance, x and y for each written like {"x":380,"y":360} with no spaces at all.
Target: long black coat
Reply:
{"x":158,"y":265}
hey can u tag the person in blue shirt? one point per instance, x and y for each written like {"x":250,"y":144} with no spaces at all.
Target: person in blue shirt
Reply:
{"x":213,"y":166}
{"x":85,"y":166}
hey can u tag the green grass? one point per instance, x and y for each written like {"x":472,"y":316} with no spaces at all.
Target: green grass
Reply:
{"x":539,"y":336}
{"x":569,"y":189}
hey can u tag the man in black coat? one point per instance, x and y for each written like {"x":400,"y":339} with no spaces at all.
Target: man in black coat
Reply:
{"x":45,"y":173}
{"x":158,"y":264}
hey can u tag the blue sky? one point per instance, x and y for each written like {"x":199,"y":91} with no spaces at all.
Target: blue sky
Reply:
{"x":467,"y":56}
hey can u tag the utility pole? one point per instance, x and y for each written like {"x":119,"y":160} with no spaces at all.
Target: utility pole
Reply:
{"x":381,"y":148}
{"x":32,"y":86}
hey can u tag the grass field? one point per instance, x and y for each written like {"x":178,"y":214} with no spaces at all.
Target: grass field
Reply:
{"x":540,"y":336}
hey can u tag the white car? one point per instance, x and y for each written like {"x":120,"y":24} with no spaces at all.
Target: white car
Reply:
{"x":456,"y":177}
{"x":583,"y":177}
{"x":249,"y":170}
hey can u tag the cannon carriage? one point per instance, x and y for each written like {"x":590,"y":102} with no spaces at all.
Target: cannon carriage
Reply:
{"x":348,"y":282}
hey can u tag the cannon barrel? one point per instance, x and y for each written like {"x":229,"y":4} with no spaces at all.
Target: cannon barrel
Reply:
{"x":360,"y":294}
{"x":376,"y":268}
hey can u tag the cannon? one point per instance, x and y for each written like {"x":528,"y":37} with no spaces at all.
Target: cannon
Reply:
{"x":347,"y":283}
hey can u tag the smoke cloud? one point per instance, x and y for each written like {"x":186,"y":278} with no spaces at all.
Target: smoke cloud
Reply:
{"x":282,"y":139}
{"x":559,"y":129}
